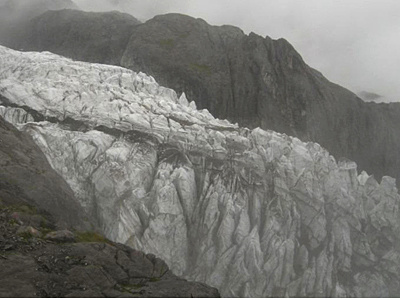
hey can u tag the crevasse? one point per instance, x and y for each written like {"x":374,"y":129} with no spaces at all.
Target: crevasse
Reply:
{"x":254,"y":213}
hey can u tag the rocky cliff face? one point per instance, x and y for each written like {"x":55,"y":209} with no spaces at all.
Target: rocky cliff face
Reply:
{"x":256,"y":81}
{"x":93,"y":37}
{"x":252,"y":212}
{"x":36,"y":261}
{"x":15,"y":16}
{"x":17,"y":10}
{"x":262,"y":82}
{"x":27,"y":177}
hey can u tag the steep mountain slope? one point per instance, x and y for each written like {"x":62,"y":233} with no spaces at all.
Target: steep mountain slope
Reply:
{"x":248,"y":79}
{"x":16,"y":14}
{"x":252,"y":212}
{"x":12,"y":10}
{"x":258,"y":81}
{"x":27,"y":178}
{"x":94,"y":37}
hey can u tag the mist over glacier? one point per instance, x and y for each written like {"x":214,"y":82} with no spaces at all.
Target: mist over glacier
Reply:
{"x":353,"y":43}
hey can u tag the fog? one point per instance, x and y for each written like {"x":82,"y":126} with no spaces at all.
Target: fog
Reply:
{"x":23,"y":10}
{"x":355,"y":43}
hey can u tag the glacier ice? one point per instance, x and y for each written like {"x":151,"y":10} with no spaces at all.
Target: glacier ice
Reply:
{"x":254,"y":213}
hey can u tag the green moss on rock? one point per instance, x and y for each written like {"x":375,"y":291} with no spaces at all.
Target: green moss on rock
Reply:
{"x":167,"y":43}
{"x":201,"y":68}
{"x":90,"y":237}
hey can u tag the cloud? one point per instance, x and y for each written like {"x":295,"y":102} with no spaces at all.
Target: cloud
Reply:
{"x":143,"y":10}
{"x":355,"y":43}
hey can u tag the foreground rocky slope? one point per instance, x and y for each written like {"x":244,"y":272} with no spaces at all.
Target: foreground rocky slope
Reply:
{"x":61,"y":264}
{"x":252,"y":212}
{"x":256,"y":81}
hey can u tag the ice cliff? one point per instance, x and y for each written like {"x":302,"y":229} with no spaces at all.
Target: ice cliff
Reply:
{"x":254,"y":213}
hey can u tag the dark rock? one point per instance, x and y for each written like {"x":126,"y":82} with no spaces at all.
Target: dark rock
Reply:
{"x":159,"y":266}
{"x":15,"y":14}
{"x":92,"y":276}
{"x":174,"y":288}
{"x":28,"y":231}
{"x":17,"y":217}
{"x":103,"y":255}
{"x":94,"y":37}
{"x":61,"y":236}
{"x":22,"y":9}
{"x":8,"y":247}
{"x":16,"y":276}
{"x":27,"y":178}
{"x":137,"y":265}
{"x":112,"y":293}
{"x":84,"y":270}
{"x":28,"y":219}
{"x":85,"y":294}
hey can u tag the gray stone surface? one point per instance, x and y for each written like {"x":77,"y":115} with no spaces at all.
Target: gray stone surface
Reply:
{"x":34,"y":267}
{"x":60,"y":236}
{"x":90,"y":36}
{"x":27,"y":177}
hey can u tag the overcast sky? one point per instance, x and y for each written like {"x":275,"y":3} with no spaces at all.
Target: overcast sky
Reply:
{"x":355,"y":43}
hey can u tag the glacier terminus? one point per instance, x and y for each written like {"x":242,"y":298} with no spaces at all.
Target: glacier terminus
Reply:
{"x":254,"y":213}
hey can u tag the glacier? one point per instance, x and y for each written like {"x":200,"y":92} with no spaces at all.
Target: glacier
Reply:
{"x":254,"y":213}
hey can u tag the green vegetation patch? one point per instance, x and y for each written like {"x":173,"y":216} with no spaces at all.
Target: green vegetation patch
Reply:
{"x":24,"y":208}
{"x":28,"y":209}
{"x":167,"y":43}
{"x":129,"y":287}
{"x":133,"y":289}
{"x":90,"y":237}
{"x":26,"y":235}
{"x":205,"y":69}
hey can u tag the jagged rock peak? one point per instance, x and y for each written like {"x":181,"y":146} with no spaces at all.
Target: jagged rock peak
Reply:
{"x":185,"y":23}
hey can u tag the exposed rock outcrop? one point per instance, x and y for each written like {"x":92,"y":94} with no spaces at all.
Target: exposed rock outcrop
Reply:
{"x":259,"y":81}
{"x":369,"y":96}
{"x":20,"y":10}
{"x":27,"y":177}
{"x":94,"y":37}
{"x":256,"y":81}
{"x":252,"y":212}
{"x":35,"y":266}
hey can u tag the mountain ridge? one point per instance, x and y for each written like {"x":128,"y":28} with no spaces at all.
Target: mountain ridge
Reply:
{"x":248,"y":79}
